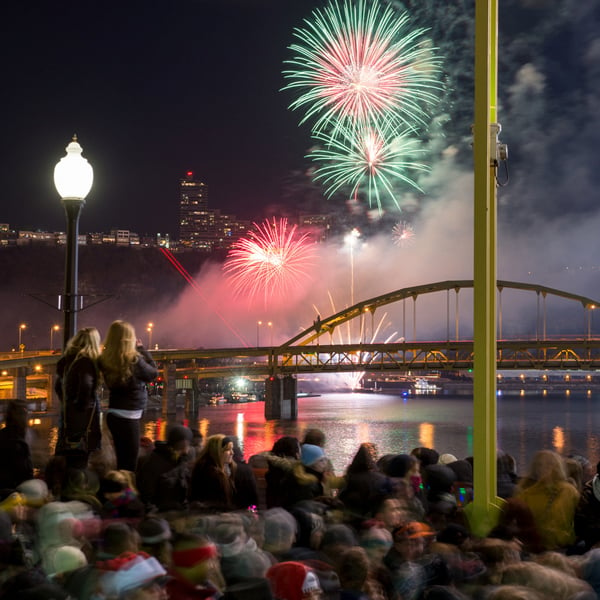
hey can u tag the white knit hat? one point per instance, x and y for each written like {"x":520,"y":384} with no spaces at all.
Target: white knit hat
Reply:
{"x":446,"y":459}
{"x":136,"y":573}
{"x":63,"y":559}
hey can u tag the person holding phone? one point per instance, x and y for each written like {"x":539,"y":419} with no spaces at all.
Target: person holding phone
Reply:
{"x":127,"y":367}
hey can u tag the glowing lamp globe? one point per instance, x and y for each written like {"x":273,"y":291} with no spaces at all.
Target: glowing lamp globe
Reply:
{"x":73,"y":175}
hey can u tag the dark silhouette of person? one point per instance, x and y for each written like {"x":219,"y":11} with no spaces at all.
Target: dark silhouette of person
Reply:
{"x":17,"y":464}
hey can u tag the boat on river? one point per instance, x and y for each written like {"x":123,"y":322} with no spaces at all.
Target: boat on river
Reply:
{"x":422,"y":385}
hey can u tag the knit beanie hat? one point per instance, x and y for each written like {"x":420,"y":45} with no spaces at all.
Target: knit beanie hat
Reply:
{"x":398,"y":465}
{"x":154,"y":530}
{"x":291,"y":580}
{"x":63,"y":559}
{"x":310,"y":454}
{"x":279,"y":529}
{"x":179,"y":433}
{"x":338,"y":533}
{"x":129,"y":571}
{"x":446,"y":459}
{"x":35,"y":492}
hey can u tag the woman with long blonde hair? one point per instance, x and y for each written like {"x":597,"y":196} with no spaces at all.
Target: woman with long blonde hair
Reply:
{"x":127,"y":367}
{"x":77,"y":386}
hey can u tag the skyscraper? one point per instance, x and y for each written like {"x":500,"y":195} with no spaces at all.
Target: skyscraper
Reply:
{"x":194,"y":217}
{"x":201,"y":227}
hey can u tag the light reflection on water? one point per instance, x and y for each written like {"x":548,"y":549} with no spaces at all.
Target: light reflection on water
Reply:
{"x":567,"y":423}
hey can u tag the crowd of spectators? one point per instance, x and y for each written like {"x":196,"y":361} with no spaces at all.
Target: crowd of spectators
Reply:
{"x":197,"y":519}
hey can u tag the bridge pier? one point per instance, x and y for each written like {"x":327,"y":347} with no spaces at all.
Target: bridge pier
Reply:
{"x":169,"y":398}
{"x":281,"y":399}
{"x":51,"y":394}
{"x":20,"y":383}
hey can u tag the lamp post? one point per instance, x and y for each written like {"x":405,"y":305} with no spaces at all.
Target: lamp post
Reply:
{"x":270,"y":326}
{"x":22,"y":326}
{"x":351,"y":240}
{"x":258,"y":324}
{"x":73,"y":177}
{"x":52,"y":330}
{"x":149,"y":330}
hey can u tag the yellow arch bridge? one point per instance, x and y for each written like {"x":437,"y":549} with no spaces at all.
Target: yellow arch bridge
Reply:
{"x":305,"y":352}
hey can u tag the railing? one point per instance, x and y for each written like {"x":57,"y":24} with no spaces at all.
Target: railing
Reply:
{"x":556,"y":354}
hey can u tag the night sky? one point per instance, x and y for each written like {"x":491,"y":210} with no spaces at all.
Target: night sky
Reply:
{"x":156,"y":88}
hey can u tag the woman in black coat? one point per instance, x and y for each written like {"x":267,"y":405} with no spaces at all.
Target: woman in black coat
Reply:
{"x":127,"y":368}
{"x":17,"y":465}
{"x":365,"y":485}
{"x":77,"y":387}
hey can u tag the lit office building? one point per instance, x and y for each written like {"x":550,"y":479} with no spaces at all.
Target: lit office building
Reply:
{"x":201,"y":227}
{"x":194,"y":216}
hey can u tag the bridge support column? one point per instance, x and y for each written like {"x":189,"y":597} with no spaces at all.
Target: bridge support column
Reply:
{"x":281,"y":400}
{"x":169,"y":388}
{"x":20,"y":383}
{"x":52,"y":400}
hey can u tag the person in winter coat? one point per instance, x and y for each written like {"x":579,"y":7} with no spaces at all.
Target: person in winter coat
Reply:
{"x":284,"y":456}
{"x":77,"y":386}
{"x":246,"y":488}
{"x":213,"y":475}
{"x":551,"y":498}
{"x":17,"y":464}
{"x":305,"y":481}
{"x":163,"y":476}
{"x":365,"y":485}
{"x":127,"y":367}
{"x":587,"y":514}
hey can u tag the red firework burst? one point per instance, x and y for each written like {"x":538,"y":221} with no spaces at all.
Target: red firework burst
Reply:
{"x":272,"y":261}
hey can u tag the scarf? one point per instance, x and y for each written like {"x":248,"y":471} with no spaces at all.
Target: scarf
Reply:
{"x":112,"y":506}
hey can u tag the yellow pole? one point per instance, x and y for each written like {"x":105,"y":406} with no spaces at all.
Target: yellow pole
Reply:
{"x":483,"y":512}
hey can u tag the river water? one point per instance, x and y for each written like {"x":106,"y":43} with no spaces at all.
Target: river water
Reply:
{"x":568,"y":422}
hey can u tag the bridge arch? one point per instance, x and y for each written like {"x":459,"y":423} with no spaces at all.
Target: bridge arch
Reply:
{"x":329,"y":324}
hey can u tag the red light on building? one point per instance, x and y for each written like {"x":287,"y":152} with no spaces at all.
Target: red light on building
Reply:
{"x":190,"y":174}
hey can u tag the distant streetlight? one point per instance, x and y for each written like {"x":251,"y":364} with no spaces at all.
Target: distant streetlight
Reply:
{"x":149,"y":330}
{"x":73,"y":177}
{"x":351,"y":239}
{"x":52,"y":330}
{"x":258,"y":324}
{"x":22,"y":326}
{"x":270,"y":326}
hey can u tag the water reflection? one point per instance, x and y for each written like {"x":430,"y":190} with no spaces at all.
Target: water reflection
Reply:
{"x":568,"y":424}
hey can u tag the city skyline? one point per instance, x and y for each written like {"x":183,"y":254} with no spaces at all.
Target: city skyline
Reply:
{"x":155,"y":90}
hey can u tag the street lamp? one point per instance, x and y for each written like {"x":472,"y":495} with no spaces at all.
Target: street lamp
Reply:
{"x":22,"y":326}
{"x":73,"y":177}
{"x":149,"y":330}
{"x":258,"y":324}
{"x":52,"y":330}
{"x":351,"y":240}
{"x":270,"y":326}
